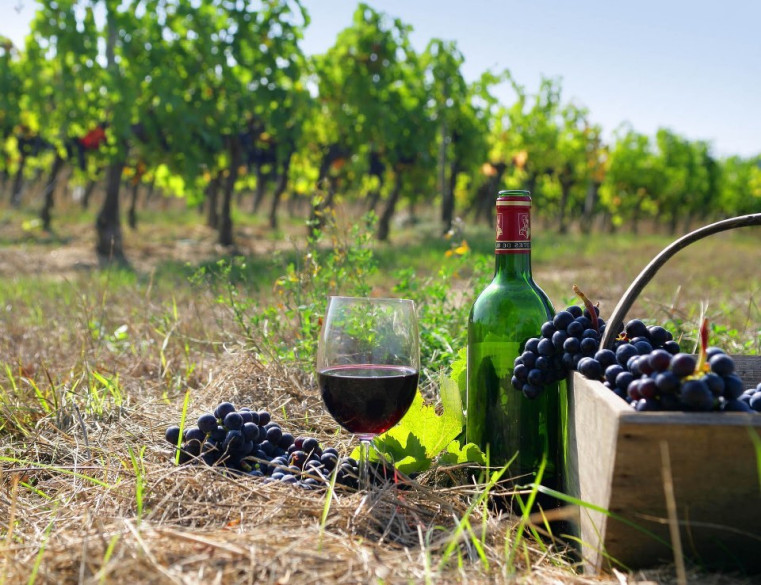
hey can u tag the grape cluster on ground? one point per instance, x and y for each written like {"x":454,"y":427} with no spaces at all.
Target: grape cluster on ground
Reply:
{"x":248,"y":441}
{"x":645,"y":366}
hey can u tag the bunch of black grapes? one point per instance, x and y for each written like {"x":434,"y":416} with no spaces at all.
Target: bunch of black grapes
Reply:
{"x":635,"y":340}
{"x":571,"y":341}
{"x":645,"y":366}
{"x":660,"y":381}
{"x":752,"y":397}
{"x":247,"y":441}
{"x":649,"y":371}
{"x":570,"y":336}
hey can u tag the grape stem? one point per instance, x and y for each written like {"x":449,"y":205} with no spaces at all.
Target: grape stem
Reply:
{"x":590,"y":308}
{"x":702,"y":355}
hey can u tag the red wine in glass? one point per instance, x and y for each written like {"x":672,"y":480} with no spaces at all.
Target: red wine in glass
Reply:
{"x":368,"y":399}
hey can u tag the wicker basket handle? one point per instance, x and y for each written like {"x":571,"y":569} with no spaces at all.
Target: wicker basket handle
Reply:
{"x":631,"y":294}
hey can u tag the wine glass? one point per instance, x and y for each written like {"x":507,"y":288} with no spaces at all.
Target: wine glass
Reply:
{"x":368,"y":359}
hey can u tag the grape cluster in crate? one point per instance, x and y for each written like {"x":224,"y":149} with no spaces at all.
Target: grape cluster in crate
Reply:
{"x":247,"y":441}
{"x":645,"y":367}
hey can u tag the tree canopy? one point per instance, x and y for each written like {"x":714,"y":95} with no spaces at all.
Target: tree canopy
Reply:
{"x":209,"y":99}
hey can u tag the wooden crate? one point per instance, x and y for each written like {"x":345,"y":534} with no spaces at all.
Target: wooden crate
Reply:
{"x":614,"y":462}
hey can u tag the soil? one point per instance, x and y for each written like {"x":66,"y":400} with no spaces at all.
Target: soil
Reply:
{"x":65,"y":254}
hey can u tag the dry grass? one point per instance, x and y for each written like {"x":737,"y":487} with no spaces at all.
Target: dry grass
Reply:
{"x":89,"y":493}
{"x":70,"y":503}
{"x":71,"y":510}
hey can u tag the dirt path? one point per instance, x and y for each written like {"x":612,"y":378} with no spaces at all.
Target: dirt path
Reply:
{"x":73,"y":251}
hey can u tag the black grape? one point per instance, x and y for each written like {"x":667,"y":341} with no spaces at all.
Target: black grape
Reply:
{"x":233,"y":440}
{"x":667,"y":382}
{"x":588,"y":346}
{"x":233,"y":421}
{"x":636,"y":328}
{"x":612,"y":372}
{"x":329,"y":460}
{"x":659,"y":360}
{"x":311,"y":445}
{"x":172,"y":434}
{"x":716,"y":384}
{"x":625,"y":352}
{"x":194,"y":434}
{"x":575,"y":310}
{"x":207,"y":423}
{"x":575,"y":329}
{"x":659,"y":335}
{"x":643,"y":347}
{"x":682,"y":364}
{"x":548,"y":329}
{"x":264,"y":417}
{"x":733,"y":387}
{"x":218,"y":434}
{"x":251,"y":431}
{"x":562,"y":320}
{"x":624,"y":379}
{"x":223,"y":409}
{"x":752,"y":397}
{"x":286,"y":440}
{"x":697,"y":395}
{"x":722,"y":364}
{"x":606,"y":357}
{"x":590,"y":368}
{"x":274,"y":434}
{"x":672,"y":347}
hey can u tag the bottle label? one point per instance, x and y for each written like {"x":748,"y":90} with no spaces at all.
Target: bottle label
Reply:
{"x":513,"y":225}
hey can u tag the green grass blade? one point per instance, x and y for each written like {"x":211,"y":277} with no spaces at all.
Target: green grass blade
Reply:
{"x":577,"y":502}
{"x":139,"y":469}
{"x":461,"y":525}
{"x":525,"y":515}
{"x":41,"y":399}
{"x":107,"y":557}
{"x":326,"y":507}
{"x":183,"y":418}
{"x":34,"y":490}
{"x":41,"y":552}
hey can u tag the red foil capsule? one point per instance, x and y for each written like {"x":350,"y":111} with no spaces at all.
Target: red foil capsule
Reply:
{"x":513,"y":223}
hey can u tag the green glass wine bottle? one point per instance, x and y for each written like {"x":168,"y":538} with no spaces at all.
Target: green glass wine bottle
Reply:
{"x":509,"y":311}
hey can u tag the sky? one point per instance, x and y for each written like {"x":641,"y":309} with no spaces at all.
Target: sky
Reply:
{"x":692,"y":66}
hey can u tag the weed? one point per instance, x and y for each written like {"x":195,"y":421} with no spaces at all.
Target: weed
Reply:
{"x":41,"y":552}
{"x":139,"y":468}
{"x":334,"y":262}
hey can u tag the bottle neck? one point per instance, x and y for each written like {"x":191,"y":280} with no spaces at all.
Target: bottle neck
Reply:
{"x":513,"y":236}
{"x":512,"y":266}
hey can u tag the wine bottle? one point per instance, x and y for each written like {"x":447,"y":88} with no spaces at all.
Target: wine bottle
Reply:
{"x":509,"y":311}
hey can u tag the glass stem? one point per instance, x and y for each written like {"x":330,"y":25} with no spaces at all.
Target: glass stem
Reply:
{"x":364,"y":463}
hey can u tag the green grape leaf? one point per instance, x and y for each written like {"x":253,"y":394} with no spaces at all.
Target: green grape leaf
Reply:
{"x":460,"y":372}
{"x":452,"y":389}
{"x":456,"y":454}
{"x":407,"y":457}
